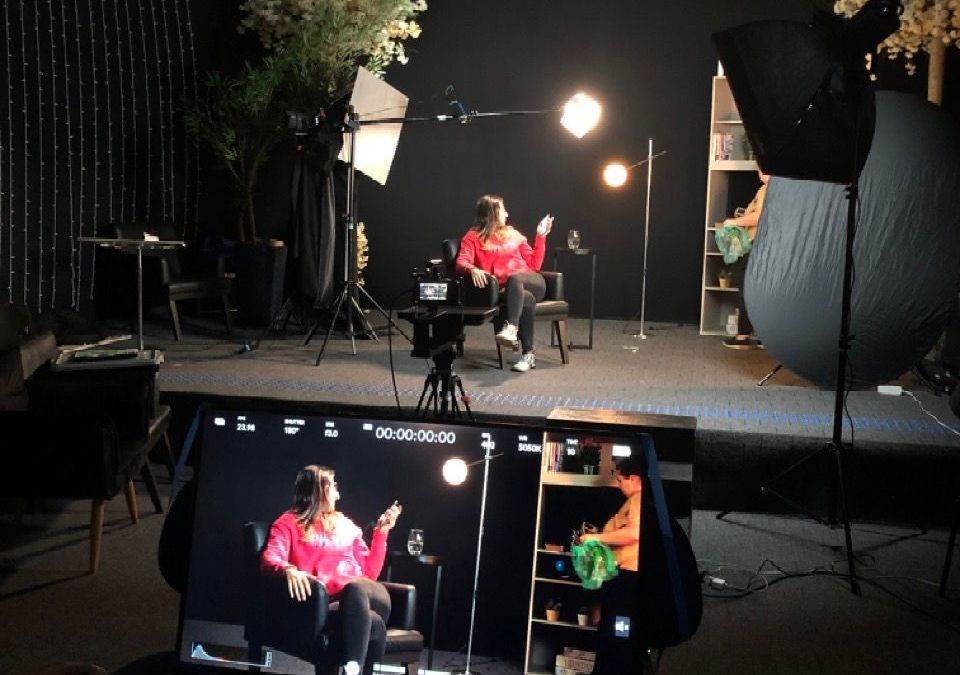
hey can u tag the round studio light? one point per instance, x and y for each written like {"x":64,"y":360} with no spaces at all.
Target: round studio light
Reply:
{"x":580,"y":114}
{"x":454,"y":471}
{"x":615,"y":174}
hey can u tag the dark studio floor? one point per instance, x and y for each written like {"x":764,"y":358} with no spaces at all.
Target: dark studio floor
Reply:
{"x":124,"y":618}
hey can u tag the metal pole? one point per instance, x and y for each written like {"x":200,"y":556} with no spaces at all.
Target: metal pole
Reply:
{"x":140,"y":297}
{"x":476,"y":572}
{"x":646,"y":240}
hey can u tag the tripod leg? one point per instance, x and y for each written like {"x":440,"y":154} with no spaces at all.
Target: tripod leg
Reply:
{"x":463,"y":397}
{"x":773,"y":372}
{"x":283,"y":312}
{"x":333,"y":321}
{"x":390,"y":322}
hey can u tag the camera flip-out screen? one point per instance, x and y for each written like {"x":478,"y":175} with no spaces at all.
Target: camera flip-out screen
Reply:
{"x":433,"y":291}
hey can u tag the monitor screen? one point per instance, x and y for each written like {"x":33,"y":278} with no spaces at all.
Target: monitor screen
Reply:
{"x":246,"y":470}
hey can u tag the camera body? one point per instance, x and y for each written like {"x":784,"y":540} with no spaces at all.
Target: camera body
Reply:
{"x":435,"y":328}
{"x":434,"y":288}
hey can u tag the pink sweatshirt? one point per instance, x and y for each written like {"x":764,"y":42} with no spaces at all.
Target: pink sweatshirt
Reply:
{"x":335,"y":558}
{"x":501,"y":258}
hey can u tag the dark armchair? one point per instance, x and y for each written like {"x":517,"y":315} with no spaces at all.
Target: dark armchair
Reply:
{"x":552,"y":308}
{"x":168,"y":276}
{"x":22,"y":351}
{"x":302,"y":629}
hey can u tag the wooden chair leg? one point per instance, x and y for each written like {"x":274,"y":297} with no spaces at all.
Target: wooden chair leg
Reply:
{"x":147,"y":474}
{"x":168,"y":457}
{"x":499,"y":350}
{"x":130,"y":493}
{"x":561,"y":329}
{"x":96,"y":533}
{"x":413,"y":667}
{"x":226,"y":313}
{"x":175,"y":318}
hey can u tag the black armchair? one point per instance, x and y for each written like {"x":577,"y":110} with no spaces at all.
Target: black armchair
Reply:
{"x":302,"y":629}
{"x":166,"y":276}
{"x":553,"y":307}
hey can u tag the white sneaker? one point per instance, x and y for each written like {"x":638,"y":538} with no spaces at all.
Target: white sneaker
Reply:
{"x":527,"y":362}
{"x":350,"y":668}
{"x":507,"y":337}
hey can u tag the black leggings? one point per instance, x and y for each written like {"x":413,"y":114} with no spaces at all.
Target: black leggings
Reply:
{"x":524,"y":290}
{"x":363,"y":609}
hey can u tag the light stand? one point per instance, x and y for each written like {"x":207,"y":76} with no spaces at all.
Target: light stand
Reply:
{"x":813,"y":120}
{"x":461,"y":470}
{"x":613,"y":182}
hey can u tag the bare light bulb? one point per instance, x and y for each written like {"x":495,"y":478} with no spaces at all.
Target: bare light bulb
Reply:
{"x":454,"y":471}
{"x":615,"y":174}
{"x":580,"y":114}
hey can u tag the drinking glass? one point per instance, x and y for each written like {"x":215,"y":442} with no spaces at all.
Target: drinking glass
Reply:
{"x":415,"y":542}
{"x":573,"y":239}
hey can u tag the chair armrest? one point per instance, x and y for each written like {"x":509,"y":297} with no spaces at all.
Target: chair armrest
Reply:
{"x":554,"y":281}
{"x":488,"y":296}
{"x":276,"y":619}
{"x":403,"y":600}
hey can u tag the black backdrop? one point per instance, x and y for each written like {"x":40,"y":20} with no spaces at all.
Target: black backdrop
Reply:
{"x":648,"y":63}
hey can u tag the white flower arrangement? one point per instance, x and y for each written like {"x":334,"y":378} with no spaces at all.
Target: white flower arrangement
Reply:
{"x":922,"y":23}
{"x":390,"y":22}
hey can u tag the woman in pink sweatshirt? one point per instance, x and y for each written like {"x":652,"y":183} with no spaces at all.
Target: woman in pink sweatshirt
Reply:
{"x":493,"y":247}
{"x":315,"y":541}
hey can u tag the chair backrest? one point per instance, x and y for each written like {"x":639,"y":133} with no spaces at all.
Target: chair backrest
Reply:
{"x":449,"y":249}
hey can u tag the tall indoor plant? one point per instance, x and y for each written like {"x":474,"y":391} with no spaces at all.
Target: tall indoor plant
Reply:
{"x":313,"y":51}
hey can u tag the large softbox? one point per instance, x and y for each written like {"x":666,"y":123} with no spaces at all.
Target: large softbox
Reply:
{"x":906,"y":254}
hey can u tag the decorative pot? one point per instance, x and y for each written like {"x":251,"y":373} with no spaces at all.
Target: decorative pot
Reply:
{"x":553,"y":615}
{"x":724,"y":282}
{"x":583,"y":619}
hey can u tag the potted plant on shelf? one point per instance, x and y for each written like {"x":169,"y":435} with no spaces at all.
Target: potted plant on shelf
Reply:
{"x":583,"y":616}
{"x":590,"y":456}
{"x":725,"y":277}
{"x":553,"y":609}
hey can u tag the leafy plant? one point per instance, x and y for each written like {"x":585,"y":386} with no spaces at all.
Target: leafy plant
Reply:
{"x":726,"y":273}
{"x":553,"y":605}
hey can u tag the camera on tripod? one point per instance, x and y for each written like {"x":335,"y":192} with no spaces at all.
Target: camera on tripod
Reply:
{"x":437,"y":324}
{"x":434,"y":288}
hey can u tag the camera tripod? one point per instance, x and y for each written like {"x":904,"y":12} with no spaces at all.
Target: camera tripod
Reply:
{"x":441,"y":386}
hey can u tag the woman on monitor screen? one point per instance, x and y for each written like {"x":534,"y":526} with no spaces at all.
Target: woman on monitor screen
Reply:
{"x":315,"y":541}
{"x":492,"y":247}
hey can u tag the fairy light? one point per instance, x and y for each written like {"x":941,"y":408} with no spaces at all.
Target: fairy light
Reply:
{"x":40,"y":134}
{"x":123,"y":111}
{"x":67,"y":106}
{"x":26,"y":159}
{"x":170,"y":126}
{"x":83,"y":157}
{"x":146,"y":90}
{"x":163,"y":124}
{"x":133,"y":117}
{"x":183,"y":93}
{"x":9,"y":163}
{"x":193,"y":80}
{"x":56,"y":151}
{"x":109,"y":86}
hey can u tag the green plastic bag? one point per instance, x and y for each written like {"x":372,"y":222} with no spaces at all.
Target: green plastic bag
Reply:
{"x":594,"y":563}
{"x":733,"y":242}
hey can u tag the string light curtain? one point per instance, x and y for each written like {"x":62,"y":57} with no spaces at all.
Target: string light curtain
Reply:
{"x":90,"y":136}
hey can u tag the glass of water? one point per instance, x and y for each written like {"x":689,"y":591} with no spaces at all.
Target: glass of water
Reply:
{"x":573,"y":239}
{"x":415,"y":542}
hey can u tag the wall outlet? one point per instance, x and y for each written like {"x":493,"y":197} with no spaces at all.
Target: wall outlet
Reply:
{"x":890,"y":389}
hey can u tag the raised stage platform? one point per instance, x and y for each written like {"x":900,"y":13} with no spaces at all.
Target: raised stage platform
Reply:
{"x":904,"y":464}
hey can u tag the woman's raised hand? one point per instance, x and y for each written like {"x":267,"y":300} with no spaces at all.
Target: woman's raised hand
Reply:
{"x":298,"y":583}
{"x":389,"y":518}
{"x":546,"y":224}
{"x":478,"y":276}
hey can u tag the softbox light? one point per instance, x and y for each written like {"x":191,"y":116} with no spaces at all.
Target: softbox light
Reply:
{"x":802,"y":93}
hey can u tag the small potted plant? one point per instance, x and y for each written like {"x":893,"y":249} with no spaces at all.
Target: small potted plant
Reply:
{"x":553,"y":610}
{"x":725,"y":277}
{"x":583,"y":616}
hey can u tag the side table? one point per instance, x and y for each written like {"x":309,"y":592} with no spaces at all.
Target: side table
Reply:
{"x":562,"y":250}
{"x":431,"y":561}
